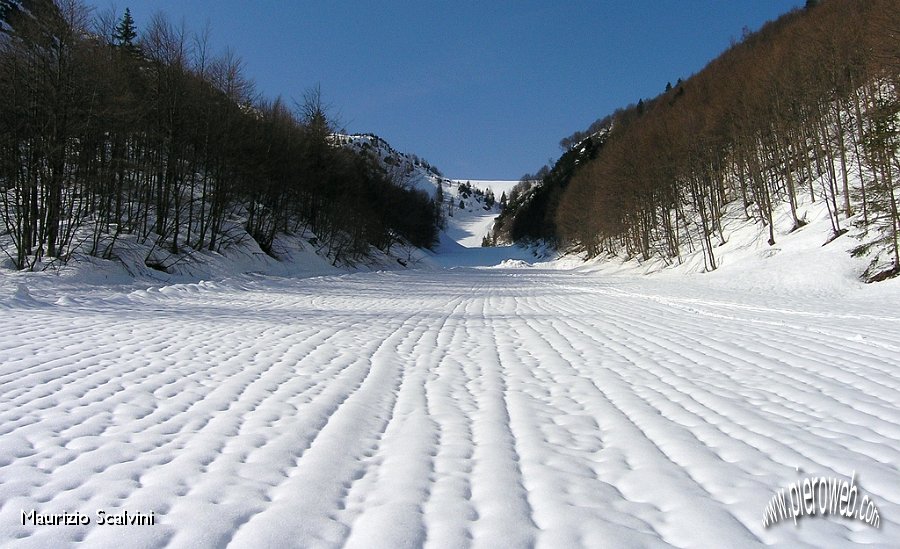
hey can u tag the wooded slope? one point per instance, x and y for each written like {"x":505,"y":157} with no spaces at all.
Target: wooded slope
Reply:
{"x":805,"y":109}
{"x":108,"y":131}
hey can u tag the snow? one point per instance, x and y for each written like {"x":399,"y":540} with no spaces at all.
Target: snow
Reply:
{"x":469,"y":225}
{"x":452,"y":254}
{"x":487,"y":399}
{"x":466,"y":226}
{"x":497,"y":186}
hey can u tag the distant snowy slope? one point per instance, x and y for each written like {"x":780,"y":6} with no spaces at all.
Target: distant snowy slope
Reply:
{"x":472,"y":223}
{"x":466,"y":225}
{"x":405,"y":168}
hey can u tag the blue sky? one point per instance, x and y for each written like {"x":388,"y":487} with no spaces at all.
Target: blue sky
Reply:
{"x":482,"y":90}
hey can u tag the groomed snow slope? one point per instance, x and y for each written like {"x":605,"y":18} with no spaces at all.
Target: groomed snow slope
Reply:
{"x":448,"y":408}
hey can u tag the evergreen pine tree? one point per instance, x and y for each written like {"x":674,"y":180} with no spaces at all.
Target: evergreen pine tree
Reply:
{"x":125,"y":31}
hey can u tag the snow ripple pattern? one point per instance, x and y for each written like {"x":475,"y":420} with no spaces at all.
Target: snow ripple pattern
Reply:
{"x":484,"y":408}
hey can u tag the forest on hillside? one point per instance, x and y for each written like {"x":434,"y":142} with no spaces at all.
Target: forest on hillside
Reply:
{"x":109,"y":132}
{"x":805,"y":109}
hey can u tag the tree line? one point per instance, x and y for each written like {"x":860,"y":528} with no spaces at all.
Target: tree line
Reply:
{"x":107,"y":132}
{"x":804,"y":109}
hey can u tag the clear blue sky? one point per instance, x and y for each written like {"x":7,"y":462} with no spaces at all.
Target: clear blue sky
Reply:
{"x":481,"y":89}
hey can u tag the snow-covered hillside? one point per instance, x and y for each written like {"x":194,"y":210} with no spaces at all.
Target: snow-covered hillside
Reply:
{"x":470,"y":224}
{"x":468,"y":214}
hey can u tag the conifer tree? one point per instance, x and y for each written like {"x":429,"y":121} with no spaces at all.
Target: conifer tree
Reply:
{"x":125,"y":31}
